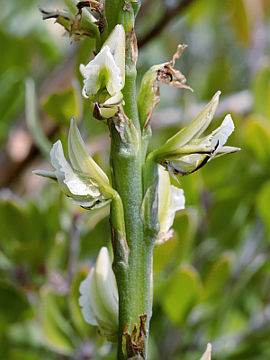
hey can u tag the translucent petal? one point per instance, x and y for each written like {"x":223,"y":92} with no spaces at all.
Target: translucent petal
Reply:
{"x":116,"y":43}
{"x":103,"y":65}
{"x":84,"y":300}
{"x":222,"y":133}
{"x":101,"y":302}
{"x":207,"y":354}
{"x":164,"y":195}
{"x":106,"y":284}
{"x":171,"y":199}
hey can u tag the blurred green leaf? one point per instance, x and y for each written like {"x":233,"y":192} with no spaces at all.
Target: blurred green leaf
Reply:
{"x":240,"y":21}
{"x":180,"y":293}
{"x":257,"y":138}
{"x":216,"y":277}
{"x":57,"y":330}
{"x":14,"y":305}
{"x":263,"y":201}
{"x":32,"y":118}
{"x":261,"y":91}
{"x":61,"y":106}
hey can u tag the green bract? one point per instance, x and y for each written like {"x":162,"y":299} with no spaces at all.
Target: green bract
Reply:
{"x":99,"y":296}
{"x":82,"y":180}
{"x":165,"y":73}
{"x":186,"y":151}
{"x":104,"y":76}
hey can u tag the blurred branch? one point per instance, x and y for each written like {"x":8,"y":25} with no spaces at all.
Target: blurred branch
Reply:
{"x":169,"y":14}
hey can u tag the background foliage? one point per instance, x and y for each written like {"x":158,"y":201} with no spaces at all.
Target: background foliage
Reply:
{"x":212,"y":279}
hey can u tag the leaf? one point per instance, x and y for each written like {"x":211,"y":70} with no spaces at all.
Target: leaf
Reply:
{"x":75,"y":309}
{"x":62,"y":106}
{"x":32,"y":118}
{"x":180,"y":293}
{"x":257,"y":138}
{"x":262,"y":202}
{"x":217,"y":277}
{"x":57,"y":330}
{"x":240,"y":21}
{"x":14,"y":305}
{"x":261,"y":91}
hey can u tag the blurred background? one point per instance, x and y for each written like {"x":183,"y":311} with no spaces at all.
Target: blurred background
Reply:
{"x":212,"y":279}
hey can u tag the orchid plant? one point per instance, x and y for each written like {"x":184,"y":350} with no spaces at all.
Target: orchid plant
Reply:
{"x":117,"y":294}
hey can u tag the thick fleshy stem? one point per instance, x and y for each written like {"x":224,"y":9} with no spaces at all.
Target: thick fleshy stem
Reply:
{"x":134,"y":280}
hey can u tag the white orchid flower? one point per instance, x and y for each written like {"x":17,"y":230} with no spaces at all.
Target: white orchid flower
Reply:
{"x":82,"y":179}
{"x":170,"y":200}
{"x":187,"y":151}
{"x":99,"y":296}
{"x":207,"y":354}
{"x":104,"y":76}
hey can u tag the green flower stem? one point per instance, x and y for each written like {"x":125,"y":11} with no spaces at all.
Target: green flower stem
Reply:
{"x":134,"y":277}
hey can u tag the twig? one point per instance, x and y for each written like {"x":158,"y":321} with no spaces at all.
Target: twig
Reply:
{"x":169,"y":14}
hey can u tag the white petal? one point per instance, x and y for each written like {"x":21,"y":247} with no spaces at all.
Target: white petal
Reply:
{"x":106,"y":283}
{"x":116,"y":43}
{"x":164,"y":195}
{"x":221,"y":134}
{"x":207,"y":354}
{"x":171,"y":199}
{"x":67,"y":178}
{"x":84,"y":300}
{"x":102,"y":65}
{"x":101,"y":287}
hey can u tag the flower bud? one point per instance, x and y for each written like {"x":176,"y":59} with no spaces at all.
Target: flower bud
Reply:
{"x":82,"y":179}
{"x":170,"y":200}
{"x":99,"y":296}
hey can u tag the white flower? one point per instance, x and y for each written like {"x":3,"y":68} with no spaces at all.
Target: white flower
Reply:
{"x":187,"y":151}
{"x":207,"y":354}
{"x":170,"y":200}
{"x":104,"y":76}
{"x":82,"y":180}
{"x":99,"y":296}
